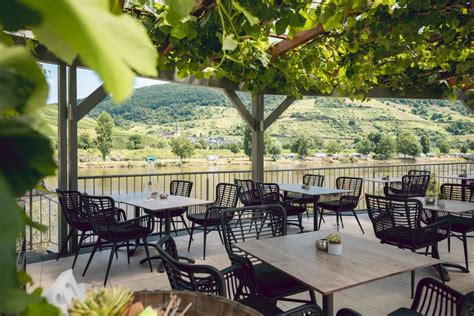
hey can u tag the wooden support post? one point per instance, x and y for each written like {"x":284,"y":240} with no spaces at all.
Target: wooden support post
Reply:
{"x":62,"y":146}
{"x":72,"y":138}
{"x":258,"y":146}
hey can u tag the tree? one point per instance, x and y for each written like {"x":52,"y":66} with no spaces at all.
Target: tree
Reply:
{"x":85,"y":141}
{"x":103,"y":129}
{"x":365,"y":146}
{"x":386,"y":147}
{"x":275,"y":149}
{"x":135,"y":142}
{"x":247,"y":143}
{"x":182,"y":147}
{"x":333,"y":147}
{"x":375,"y":137}
{"x":302,"y":145}
{"x":234,"y":148}
{"x":425,"y":144}
{"x":407,"y":144}
{"x":443,"y":146}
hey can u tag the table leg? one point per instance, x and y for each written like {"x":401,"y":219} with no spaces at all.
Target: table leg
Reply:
{"x":328,"y":305}
{"x":315,"y":213}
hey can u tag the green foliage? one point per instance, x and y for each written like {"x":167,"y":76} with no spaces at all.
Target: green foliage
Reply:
{"x":114,"y":45}
{"x":135,"y":142}
{"x":119,"y":37}
{"x":365,"y":146}
{"x":425,"y":144}
{"x":85,"y":141}
{"x":103,"y":141}
{"x":182,"y":147}
{"x":333,"y":147}
{"x":302,"y":145}
{"x":386,"y":147}
{"x":407,"y":144}
{"x":443,"y":146}
{"x":364,"y":44}
{"x":275,"y":149}
{"x":234,"y":148}
{"x":247,"y":143}
{"x":461,"y":128}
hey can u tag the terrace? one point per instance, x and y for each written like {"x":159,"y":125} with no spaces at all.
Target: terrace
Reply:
{"x":383,"y":214}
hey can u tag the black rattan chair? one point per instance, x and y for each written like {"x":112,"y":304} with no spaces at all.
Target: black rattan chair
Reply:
{"x":207,"y":218}
{"x":76,"y":217}
{"x":101,"y":213}
{"x":180,"y":188}
{"x":270,"y":194}
{"x":397,"y":222}
{"x":248,"y":194}
{"x":461,"y":224}
{"x":231,"y":282}
{"x":432,"y":298}
{"x":72,"y":207}
{"x":411,"y":186}
{"x":260,"y":222}
{"x":347,"y":202}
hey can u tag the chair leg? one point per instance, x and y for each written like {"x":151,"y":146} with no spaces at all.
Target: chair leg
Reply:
{"x":464,"y":241}
{"x":185,"y":225}
{"x":340,"y":216}
{"x":97,"y":245}
{"x":320,"y":218}
{"x":337,"y":221}
{"x":449,"y":242}
{"x":205,"y":239}
{"x":300,"y":222}
{"x":83,"y":236}
{"x":128,"y":252}
{"x":174,"y":227}
{"x":111,"y":258}
{"x":145,"y":243}
{"x":358,"y":222}
{"x":412,"y":284}
{"x":313,"y":297}
{"x":65,"y":243}
{"x":191,"y":236}
{"x":220,"y":234}
{"x":161,"y":227}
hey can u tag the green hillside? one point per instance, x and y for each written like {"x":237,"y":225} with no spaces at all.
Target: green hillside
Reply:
{"x":207,"y":112}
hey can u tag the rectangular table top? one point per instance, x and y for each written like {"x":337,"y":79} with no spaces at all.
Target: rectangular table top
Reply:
{"x":457,"y":177}
{"x":171,"y":202}
{"x":362,"y":260}
{"x":380,"y":180}
{"x":312,"y":190}
{"x":448,"y":206}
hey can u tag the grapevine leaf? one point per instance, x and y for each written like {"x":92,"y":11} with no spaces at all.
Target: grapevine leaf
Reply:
{"x":250,"y":17}
{"x":178,"y":10}
{"x":229,"y":43}
{"x":115,"y":46}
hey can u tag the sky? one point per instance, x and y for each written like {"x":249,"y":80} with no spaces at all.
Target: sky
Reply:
{"x":87,"y":81}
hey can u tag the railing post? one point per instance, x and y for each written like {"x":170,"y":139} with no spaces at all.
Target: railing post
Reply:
{"x":207,"y":188}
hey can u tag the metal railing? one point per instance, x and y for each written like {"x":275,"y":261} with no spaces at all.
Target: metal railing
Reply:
{"x":44,"y":209}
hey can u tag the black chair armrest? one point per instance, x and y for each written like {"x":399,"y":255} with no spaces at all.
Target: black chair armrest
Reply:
{"x":442,"y":227}
{"x":308,"y":309}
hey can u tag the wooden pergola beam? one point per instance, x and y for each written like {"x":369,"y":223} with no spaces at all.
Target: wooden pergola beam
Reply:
{"x":241,"y":108}
{"x":270,"y":119}
{"x":90,"y":102}
{"x":299,"y":39}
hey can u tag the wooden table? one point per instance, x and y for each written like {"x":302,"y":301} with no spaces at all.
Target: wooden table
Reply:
{"x":141,"y":201}
{"x":315,"y":192}
{"x":464,"y":180}
{"x":451,"y":207}
{"x":362,"y":261}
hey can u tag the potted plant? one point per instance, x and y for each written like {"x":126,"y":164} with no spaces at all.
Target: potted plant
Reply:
{"x":334,"y":244}
{"x":432,"y":190}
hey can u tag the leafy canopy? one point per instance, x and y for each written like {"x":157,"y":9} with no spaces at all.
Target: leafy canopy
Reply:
{"x":345,"y":46}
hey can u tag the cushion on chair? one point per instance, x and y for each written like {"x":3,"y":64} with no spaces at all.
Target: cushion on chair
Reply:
{"x":128,"y":232}
{"x":273,"y":283}
{"x":459,"y":224}
{"x":403,"y":236}
{"x":292,"y":210}
{"x":403,"y":311}
{"x":200,"y":219}
{"x":334,"y":205}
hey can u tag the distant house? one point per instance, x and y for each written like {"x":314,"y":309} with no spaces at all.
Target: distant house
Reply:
{"x":173,"y":134}
{"x":320,"y":155}
{"x":290,"y":156}
{"x":212,"y":158}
